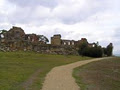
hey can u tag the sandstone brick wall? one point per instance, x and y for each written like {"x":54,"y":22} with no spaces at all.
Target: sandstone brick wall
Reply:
{"x":16,"y":39}
{"x":56,"y":40}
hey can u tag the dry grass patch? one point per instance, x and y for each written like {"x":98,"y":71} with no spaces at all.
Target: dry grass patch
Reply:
{"x":101,"y":75}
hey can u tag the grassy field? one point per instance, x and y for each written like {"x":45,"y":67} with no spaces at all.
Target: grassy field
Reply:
{"x":101,"y":75}
{"x":27,"y":70}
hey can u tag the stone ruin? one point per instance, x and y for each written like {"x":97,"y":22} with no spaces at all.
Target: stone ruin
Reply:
{"x":15,"y":39}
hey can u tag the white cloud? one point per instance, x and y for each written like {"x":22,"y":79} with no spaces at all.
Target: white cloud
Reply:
{"x":74,"y":19}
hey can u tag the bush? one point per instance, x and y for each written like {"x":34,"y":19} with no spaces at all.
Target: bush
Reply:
{"x":82,"y":46}
{"x":84,"y":50}
{"x":96,"y":51}
{"x":108,"y":50}
{"x":93,"y":52}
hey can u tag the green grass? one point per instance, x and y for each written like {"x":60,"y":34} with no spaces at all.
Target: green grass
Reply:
{"x":17,"y":67}
{"x":100,"y":75}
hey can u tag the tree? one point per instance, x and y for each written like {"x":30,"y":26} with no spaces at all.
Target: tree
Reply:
{"x":105,"y":51}
{"x":82,"y":46}
{"x":109,"y":49}
{"x":2,"y":32}
{"x":93,"y":51}
{"x":43,"y":38}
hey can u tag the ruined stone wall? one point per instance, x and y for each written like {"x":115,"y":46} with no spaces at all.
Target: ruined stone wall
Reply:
{"x":56,"y":49}
{"x":15,"y":33}
{"x":56,"y":40}
{"x":16,"y":39}
{"x":68,"y":42}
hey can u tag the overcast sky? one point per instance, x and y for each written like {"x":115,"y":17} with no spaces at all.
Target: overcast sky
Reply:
{"x":96,"y":20}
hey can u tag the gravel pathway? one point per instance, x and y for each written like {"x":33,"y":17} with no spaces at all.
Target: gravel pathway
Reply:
{"x":60,"y":78}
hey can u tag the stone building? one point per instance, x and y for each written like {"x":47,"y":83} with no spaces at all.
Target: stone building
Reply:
{"x":33,"y":38}
{"x":15,"y":33}
{"x":68,"y":42}
{"x":56,"y":39}
{"x":16,"y":39}
{"x":13,"y":39}
{"x":91,"y":45}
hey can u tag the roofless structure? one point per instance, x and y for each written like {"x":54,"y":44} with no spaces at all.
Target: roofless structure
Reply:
{"x":16,"y":39}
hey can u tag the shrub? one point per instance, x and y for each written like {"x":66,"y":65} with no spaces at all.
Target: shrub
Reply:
{"x":84,"y":50}
{"x":93,"y":52}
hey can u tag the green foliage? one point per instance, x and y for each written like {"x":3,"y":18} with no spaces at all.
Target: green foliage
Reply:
{"x":82,"y":46}
{"x":105,"y":51}
{"x":93,"y":52}
{"x":3,"y":31}
{"x":96,"y":51}
{"x":108,"y":50}
{"x":85,"y":50}
{"x":43,"y":38}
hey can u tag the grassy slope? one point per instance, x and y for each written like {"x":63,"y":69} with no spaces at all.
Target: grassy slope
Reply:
{"x":17,"y":67}
{"x":101,"y":75}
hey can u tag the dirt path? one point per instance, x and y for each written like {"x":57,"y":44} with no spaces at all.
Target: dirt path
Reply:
{"x":60,"y":78}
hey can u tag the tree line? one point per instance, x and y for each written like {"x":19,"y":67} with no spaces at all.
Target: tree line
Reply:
{"x":95,"y":51}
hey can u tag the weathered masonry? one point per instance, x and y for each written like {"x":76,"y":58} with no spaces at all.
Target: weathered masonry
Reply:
{"x":16,"y":39}
{"x":56,"y":40}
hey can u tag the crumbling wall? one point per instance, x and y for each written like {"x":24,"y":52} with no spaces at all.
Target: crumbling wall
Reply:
{"x":15,"y":39}
{"x":56,"y":40}
{"x":56,"y":49}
